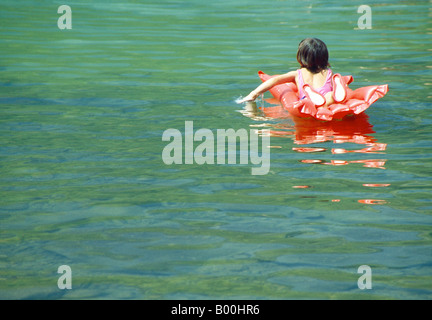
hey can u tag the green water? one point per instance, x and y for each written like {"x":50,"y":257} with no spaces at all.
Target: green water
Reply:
{"x":82,"y":181}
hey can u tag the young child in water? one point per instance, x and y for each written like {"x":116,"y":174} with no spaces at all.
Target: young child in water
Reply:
{"x":314,"y":79}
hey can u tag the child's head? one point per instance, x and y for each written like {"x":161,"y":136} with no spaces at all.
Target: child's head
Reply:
{"x":312,"y":54}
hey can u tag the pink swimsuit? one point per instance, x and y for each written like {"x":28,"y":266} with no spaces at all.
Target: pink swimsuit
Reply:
{"x":327,"y":87}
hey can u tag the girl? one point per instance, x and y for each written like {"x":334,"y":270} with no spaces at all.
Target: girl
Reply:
{"x":314,"y":79}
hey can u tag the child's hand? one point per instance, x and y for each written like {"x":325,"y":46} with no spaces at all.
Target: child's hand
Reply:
{"x":250,"y":97}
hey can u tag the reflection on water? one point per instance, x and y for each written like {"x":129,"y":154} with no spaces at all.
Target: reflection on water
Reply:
{"x":353,"y":130}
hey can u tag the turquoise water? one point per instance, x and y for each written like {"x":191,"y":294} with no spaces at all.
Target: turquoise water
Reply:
{"x":83,"y":182}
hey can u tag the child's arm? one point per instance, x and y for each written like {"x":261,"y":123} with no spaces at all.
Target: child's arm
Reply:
{"x":270,"y":83}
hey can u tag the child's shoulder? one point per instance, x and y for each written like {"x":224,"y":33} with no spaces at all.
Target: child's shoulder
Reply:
{"x":292,"y":73}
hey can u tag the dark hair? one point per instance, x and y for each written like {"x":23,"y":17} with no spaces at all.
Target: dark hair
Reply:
{"x":313,"y":55}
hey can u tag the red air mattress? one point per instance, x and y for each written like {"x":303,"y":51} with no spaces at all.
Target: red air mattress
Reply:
{"x":357,"y":100}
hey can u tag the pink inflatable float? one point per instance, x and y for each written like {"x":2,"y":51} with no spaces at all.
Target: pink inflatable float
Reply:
{"x":356,"y":102}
